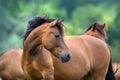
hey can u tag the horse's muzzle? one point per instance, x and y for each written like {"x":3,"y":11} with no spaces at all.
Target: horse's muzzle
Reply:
{"x":64,"y":56}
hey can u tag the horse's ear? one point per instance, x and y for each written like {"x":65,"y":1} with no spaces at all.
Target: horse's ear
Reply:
{"x":53,"y":23}
{"x":104,"y":25}
{"x":94,"y":26}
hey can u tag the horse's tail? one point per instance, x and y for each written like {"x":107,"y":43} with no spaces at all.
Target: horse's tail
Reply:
{"x":110,"y":73}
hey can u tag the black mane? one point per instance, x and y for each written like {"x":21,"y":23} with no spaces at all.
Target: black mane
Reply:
{"x":99,"y":29}
{"x":35,"y":22}
{"x":89,"y":28}
{"x":96,"y":27}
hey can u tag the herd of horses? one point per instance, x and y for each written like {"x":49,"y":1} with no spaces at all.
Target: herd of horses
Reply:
{"x":48,"y":54}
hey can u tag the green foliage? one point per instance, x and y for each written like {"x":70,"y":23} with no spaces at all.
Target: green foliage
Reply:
{"x":115,"y":51}
{"x":78,"y":15}
{"x":86,"y":15}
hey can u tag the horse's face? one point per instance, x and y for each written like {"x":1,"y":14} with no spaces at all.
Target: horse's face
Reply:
{"x":52,"y":40}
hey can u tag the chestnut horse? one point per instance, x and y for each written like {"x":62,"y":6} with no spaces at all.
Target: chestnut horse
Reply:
{"x":90,"y":55}
{"x":97,"y":30}
{"x":10,"y":65}
{"x":43,"y":36}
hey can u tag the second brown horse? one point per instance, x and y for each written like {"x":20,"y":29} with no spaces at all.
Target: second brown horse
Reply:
{"x":98,"y":30}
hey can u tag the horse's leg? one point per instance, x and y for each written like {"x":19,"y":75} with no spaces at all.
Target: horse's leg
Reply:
{"x":45,"y":71}
{"x":48,"y":74}
{"x":98,"y":75}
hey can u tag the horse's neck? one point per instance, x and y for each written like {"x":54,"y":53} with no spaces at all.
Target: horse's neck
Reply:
{"x":30,"y":38}
{"x":35,"y":47}
{"x":33,"y":40}
{"x":31,"y":45}
{"x":41,"y":52}
{"x":102,"y":37}
{"x":35,"y":34}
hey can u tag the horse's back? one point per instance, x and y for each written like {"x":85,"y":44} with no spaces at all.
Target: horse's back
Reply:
{"x":11,"y":56}
{"x":92,"y":45}
{"x":11,"y":52}
{"x":10,"y":64}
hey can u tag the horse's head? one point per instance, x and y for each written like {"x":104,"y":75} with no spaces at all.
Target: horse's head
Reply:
{"x":97,"y":30}
{"x":52,"y":39}
{"x":49,"y":33}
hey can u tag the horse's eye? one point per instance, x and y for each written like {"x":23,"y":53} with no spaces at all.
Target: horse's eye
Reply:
{"x":57,"y":36}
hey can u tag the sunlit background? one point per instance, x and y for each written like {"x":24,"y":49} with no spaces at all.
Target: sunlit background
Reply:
{"x":78,"y":15}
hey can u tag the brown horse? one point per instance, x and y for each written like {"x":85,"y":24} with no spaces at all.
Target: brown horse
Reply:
{"x":90,"y":55}
{"x":43,"y":36}
{"x":97,"y":30}
{"x":116,"y":68}
{"x":10,"y":65}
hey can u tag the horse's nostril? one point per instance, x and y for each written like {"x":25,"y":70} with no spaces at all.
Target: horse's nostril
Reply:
{"x":68,"y":56}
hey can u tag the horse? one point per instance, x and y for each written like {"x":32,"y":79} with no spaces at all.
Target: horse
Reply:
{"x":98,"y":30}
{"x":87,"y":55}
{"x":10,"y":65}
{"x":116,"y":69}
{"x":43,"y":36}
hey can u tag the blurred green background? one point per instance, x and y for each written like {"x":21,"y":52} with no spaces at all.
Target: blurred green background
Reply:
{"x":78,"y":15}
